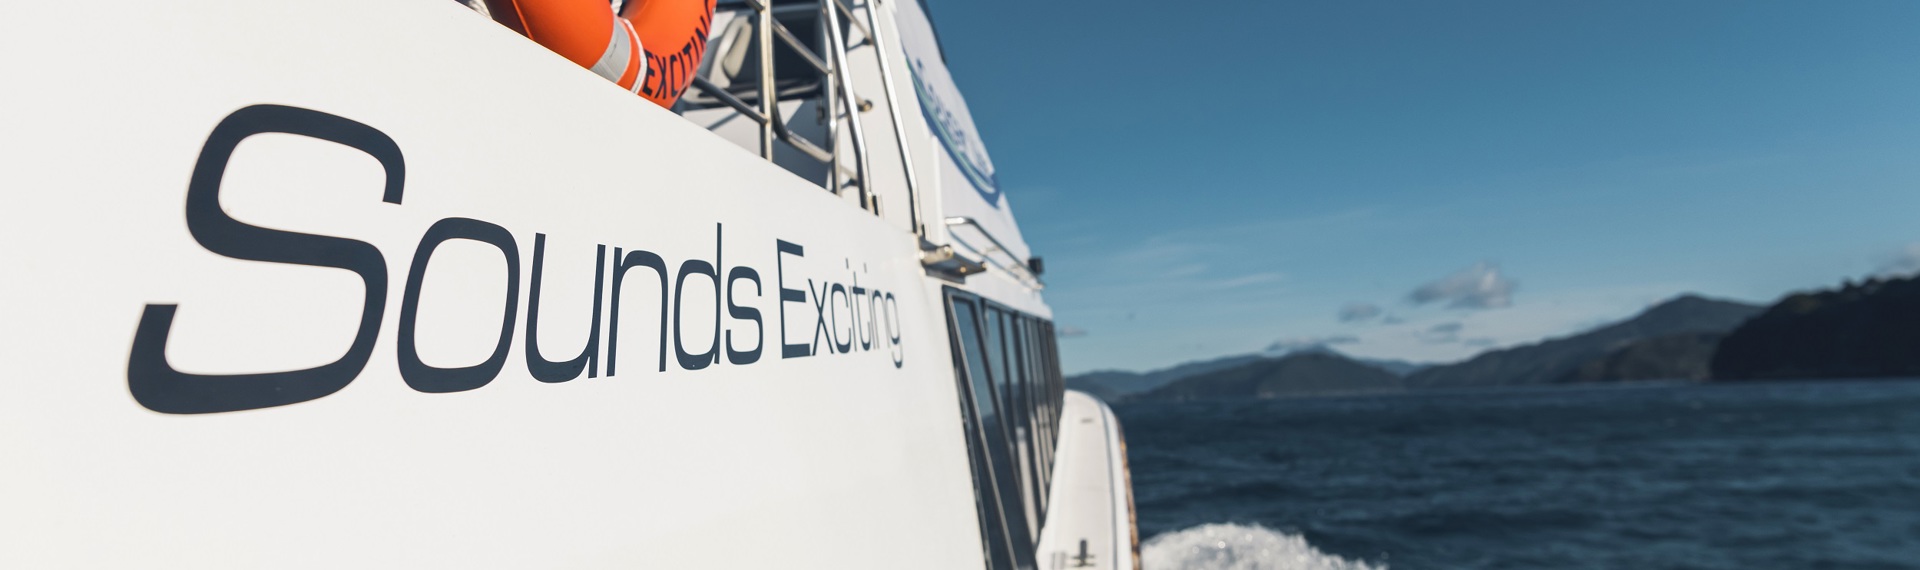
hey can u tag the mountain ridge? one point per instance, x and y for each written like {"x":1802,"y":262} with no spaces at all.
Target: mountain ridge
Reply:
{"x":1301,"y":374}
{"x":1859,"y":330}
{"x":1115,"y":385}
{"x":1675,"y":339}
{"x":1556,"y":360}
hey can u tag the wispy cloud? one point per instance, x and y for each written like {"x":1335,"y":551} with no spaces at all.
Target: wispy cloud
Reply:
{"x":1442,"y":333}
{"x":1902,"y":263}
{"x":1357,"y":312}
{"x":1167,"y":271}
{"x":1243,"y":281}
{"x":1160,"y":250}
{"x":1478,"y":287}
{"x":1186,"y":270}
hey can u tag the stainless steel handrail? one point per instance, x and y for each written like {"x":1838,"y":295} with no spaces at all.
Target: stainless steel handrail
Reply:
{"x":893,"y":109}
{"x":800,"y":47}
{"x":836,"y":93}
{"x":778,"y":126}
{"x":769,"y":96}
{"x":839,"y":48}
{"x":739,"y":106}
{"x":955,"y":221}
{"x":855,"y":20}
{"x":837,"y":97}
{"x":830,"y":95}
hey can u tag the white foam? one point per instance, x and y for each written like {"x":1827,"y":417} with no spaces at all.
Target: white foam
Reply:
{"x":1238,"y":547}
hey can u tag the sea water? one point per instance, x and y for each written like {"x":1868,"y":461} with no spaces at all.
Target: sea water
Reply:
{"x":1699,"y":476}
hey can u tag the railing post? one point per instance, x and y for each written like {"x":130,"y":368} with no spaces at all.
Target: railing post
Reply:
{"x":769,"y":105}
{"x":893,"y":108}
{"x":831,"y":93}
{"x":838,"y":45}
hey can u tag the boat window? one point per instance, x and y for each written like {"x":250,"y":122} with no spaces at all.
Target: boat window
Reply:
{"x":1050,"y":369}
{"x":1000,"y":342}
{"x":1011,"y":390}
{"x":1053,"y":369}
{"x":1022,"y":405}
{"x":1004,"y":526}
{"x":1006,"y":384}
{"x":1009,"y":380}
{"x":1044,"y":337}
{"x":1022,"y":341}
{"x":1036,"y":409}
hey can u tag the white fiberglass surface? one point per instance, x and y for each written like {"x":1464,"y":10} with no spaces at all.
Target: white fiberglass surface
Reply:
{"x":800,"y":409}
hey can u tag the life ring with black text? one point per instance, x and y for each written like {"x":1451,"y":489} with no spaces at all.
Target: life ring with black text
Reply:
{"x":652,"y":47}
{"x":586,"y":32}
{"x":674,"y":35}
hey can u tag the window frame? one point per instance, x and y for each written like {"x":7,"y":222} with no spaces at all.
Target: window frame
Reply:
{"x":1010,"y":494}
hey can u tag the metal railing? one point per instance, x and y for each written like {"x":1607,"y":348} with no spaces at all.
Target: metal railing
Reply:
{"x":1026,"y":271}
{"x":842,"y":103}
{"x":837,"y":96}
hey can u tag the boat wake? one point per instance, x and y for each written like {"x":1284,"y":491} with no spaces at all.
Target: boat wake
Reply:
{"x":1238,"y":547}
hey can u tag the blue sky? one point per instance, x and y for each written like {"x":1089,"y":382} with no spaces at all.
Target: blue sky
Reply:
{"x":1216,"y":178}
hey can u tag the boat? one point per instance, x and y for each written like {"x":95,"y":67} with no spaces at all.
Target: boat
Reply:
{"x":387,"y":284}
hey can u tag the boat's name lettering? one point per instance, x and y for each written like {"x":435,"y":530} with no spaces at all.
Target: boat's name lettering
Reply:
{"x":840,"y":314}
{"x":846,"y":317}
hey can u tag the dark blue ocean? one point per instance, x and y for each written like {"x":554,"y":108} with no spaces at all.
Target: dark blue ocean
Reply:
{"x":1805,"y":475}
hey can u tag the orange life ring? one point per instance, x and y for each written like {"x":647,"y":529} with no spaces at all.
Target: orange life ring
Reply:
{"x":585,"y":32}
{"x":674,"y":35}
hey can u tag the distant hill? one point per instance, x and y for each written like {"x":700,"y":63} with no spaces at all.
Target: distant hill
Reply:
{"x":1399,"y":368}
{"x":1684,"y":356}
{"x":1563,"y":359}
{"x":1864,"y":330}
{"x":1102,"y":392}
{"x":1304,"y":374}
{"x":1112,"y":385}
{"x":1116,"y":385}
{"x":1107,"y":385}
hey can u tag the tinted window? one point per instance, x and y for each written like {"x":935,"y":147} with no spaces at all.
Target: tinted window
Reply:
{"x":1022,"y":342}
{"x":1001,"y":356}
{"x":998,"y":490}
